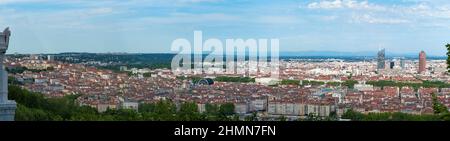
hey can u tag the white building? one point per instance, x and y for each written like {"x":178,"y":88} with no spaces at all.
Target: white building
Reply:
{"x":241,"y":108}
{"x":299,"y":109}
{"x":258,"y":105}
{"x":363,"y":87}
{"x":267,"y":81}
{"x":130,"y":105}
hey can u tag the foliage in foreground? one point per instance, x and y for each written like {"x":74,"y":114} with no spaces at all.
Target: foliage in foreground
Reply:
{"x":34,"y":107}
{"x":441,"y":113}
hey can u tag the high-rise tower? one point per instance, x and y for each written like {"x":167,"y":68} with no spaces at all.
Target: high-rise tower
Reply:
{"x":422,"y":62}
{"x":381,"y":64}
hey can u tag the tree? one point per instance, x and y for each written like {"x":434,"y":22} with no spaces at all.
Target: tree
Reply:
{"x":350,"y":76}
{"x":165,"y":111}
{"x":290,"y":82}
{"x":350,"y":83}
{"x":124,"y":114}
{"x":353,"y":115}
{"x":227,"y":109}
{"x":211,"y":109}
{"x":189,"y":112}
{"x":312,"y":117}
{"x":332,"y":117}
{"x":438,"y":107}
{"x":146,"y":107}
{"x":282,"y":118}
{"x":234,"y":79}
{"x":50,"y":68}
{"x":147,"y":74}
{"x":235,"y":118}
{"x":446,"y":117}
{"x":253,"y":117}
{"x":33,"y":106}
{"x":30,"y":114}
{"x":335,"y":84}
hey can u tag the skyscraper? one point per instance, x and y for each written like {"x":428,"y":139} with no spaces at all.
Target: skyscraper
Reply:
{"x":50,"y":57}
{"x":422,"y":62}
{"x":402,"y":63}
{"x":381,"y":59}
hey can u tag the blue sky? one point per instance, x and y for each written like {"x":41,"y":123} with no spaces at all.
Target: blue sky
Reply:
{"x":144,"y":26}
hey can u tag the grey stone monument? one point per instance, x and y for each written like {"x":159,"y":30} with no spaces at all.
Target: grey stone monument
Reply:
{"x":7,"y":107}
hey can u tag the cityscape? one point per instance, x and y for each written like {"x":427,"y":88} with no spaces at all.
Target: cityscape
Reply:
{"x":306,"y":87}
{"x":265,"y":60}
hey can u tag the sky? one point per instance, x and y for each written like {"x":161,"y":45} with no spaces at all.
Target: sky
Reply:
{"x":150,"y":26}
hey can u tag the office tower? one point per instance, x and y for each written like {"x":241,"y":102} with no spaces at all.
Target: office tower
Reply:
{"x":422,"y":62}
{"x":50,"y":58}
{"x":381,"y":59}
{"x":391,"y":65}
{"x":402,"y":63}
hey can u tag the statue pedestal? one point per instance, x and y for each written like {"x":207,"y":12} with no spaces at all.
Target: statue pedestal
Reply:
{"x":7,"y":107}
{"x":7,"y":110}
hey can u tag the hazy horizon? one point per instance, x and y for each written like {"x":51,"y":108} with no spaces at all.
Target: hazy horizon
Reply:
{"x":282,"y":54}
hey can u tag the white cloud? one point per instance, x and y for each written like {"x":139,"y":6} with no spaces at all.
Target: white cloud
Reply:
{"x":415,"y":13}
{"x":366,"y":18}
{"x":419,"y":9}
{"x":326,"y":4}
{"x":426,"y":10}
{"x":345,"y":4}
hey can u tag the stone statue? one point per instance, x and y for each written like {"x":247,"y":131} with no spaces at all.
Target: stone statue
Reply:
{"x":7,"y":107}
